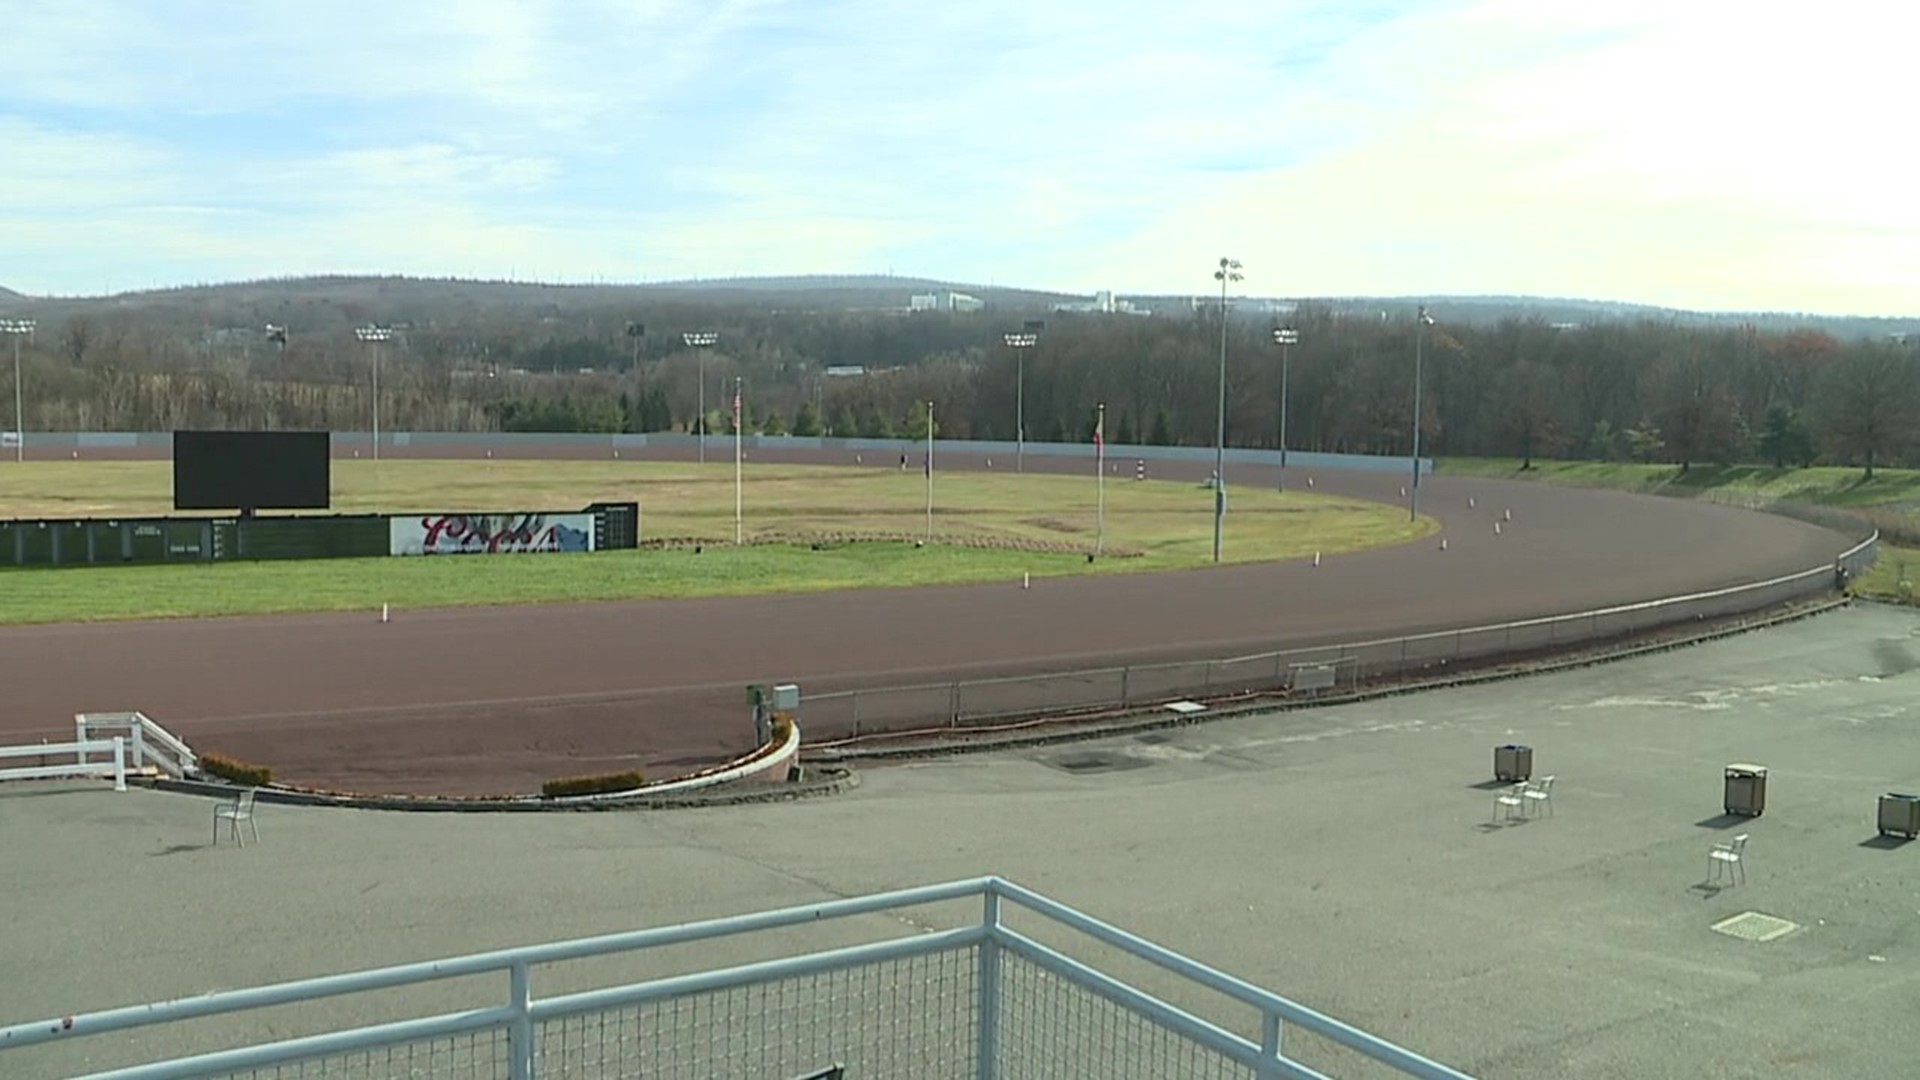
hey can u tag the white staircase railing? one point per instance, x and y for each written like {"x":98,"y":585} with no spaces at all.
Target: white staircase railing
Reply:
{"x":152,"y":747}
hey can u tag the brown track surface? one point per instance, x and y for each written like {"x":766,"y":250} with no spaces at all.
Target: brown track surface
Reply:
{"x":491,"y":700}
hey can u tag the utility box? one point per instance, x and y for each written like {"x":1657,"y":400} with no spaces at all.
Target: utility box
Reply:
{"x":1900,"y":814}
{"x":1513,"y":763}
{"x":786,"y":697}
{"x":1746,"y":790}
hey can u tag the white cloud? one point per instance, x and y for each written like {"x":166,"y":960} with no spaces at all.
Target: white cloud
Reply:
{"x":1698,"y":153}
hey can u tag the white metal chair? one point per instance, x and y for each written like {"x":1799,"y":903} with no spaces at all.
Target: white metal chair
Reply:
{"x":1728,"y":860}
{"x":233,"y":813}
{"x":1540,"y":794}
{"x":1512,"y":800}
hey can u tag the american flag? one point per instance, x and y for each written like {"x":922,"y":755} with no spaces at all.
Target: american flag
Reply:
{"x":736,"y":407}
{"x":1100,"y":432}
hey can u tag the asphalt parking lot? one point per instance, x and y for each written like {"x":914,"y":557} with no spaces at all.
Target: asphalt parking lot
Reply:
{"x":1346,"y":857}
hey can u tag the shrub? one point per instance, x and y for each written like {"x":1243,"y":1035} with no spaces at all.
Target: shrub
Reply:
{"x":234,"y":771}
{"x":782,"y":725}
{"x":592,"y":785}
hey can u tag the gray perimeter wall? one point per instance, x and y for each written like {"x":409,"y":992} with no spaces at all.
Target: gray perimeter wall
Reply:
{"x":161,"y":442}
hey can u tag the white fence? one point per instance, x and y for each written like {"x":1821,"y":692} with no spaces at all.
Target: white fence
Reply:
{"x":132,"y":743}
{"x":82,"y":764}
{"x":1019,"y":986}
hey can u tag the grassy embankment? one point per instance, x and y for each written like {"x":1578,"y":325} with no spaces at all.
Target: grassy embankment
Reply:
{"x":1891,"y":500}
{"x":1043,"y":525}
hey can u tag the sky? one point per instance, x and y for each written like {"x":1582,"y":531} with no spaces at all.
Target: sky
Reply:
{"x":1688,"y":153}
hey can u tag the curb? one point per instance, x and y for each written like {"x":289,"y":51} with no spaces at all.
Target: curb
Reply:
{"x":828,"y":780}
{"x":1152,"y":719}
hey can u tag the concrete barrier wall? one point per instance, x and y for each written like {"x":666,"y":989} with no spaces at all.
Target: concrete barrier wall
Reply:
{"x":504,"y":442}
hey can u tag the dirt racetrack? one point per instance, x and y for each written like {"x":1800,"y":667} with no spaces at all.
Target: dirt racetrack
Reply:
{"x":493,"y":700}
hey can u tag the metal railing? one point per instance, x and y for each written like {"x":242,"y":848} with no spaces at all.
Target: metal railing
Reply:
{"x":82,"y":765}
{"x":964,"y":703}
{"x":983,"y":999}
{"x":148,"y":743}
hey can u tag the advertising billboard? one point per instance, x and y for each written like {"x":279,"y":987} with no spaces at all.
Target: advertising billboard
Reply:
{"x":489,"y":534}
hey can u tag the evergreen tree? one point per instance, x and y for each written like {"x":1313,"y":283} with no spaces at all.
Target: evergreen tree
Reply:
{"x":806,"y":420}
{"x":1162,"y":434}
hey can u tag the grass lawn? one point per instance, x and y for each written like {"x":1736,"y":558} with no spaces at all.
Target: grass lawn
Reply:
{"x":1891,"y":500}
{"x":1831,"y":485}
{"x":1882,"y":580}
{"x":1151,"y":525}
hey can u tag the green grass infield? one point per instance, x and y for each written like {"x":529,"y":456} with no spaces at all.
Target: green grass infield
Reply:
{"x":807,"y":529}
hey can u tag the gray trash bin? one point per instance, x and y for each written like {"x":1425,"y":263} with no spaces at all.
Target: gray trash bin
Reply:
{"x":1900,"y":814}
{"x":1513,"y":763}
{"x":1746,"y":790}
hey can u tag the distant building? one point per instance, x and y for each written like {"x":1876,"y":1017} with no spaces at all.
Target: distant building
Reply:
{"x":844,"y":371}
{"x":1103,"y":303}
{"x":948,"y":301}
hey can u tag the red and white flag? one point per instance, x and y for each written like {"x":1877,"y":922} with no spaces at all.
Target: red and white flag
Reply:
{"x":736,"y":408}
{"x":1100,"y":433}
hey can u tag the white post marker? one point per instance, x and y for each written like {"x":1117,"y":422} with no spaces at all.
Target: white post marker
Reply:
{"x":1309,"y":481}
{"x":1026,"y":580}
{"x":1508,"y":515}
{"x":383,"y":613}
{"x":739,"y":531}
{"x":1469,"y":502}
{"x":1496,"y":528}
{"x":929,"y":472}
{"x":1100,"y":475}
{"x":1316,"y":558}
{"x":1443,"y":543}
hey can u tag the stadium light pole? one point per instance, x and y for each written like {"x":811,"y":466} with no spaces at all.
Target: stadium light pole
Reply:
{"x":375,"y":336}
{"x":635,"y":332}
{"x":1229,"y":271}
{"x":17,"y":329}
{"x":700,"y":341}
{"x":1419,"y":348}
{"x":1020,"y":343}
{"x":1286,"y":337}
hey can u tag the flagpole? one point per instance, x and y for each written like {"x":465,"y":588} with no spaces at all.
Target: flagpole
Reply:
{"x":929,"y":472}
{"x":1100,"y":471}
{"x":739,"y":531}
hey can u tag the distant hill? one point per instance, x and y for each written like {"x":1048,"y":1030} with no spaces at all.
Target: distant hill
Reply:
{"x":447,"y":300}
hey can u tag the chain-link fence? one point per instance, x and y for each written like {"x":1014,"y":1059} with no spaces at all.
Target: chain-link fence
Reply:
{"x":1307,"y":671}
{"x":913,"y":1016}
{"x":985,"y":998}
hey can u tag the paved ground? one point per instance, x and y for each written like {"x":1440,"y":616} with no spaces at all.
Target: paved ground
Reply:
{"x":1341,"y":856}
{"x":497,"y":700}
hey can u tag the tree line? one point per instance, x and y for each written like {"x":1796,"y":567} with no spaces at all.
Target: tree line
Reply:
{"x":1648,"y":390}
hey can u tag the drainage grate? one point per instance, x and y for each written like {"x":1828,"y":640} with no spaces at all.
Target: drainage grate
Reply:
{"x":1092,"y":763}
{"x":1753,"y":926}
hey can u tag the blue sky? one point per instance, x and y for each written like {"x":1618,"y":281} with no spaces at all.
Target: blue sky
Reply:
{"x":1687,"y":152}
